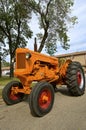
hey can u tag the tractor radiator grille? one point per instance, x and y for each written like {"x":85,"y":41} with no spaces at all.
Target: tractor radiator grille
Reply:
{"x":21,"y":64}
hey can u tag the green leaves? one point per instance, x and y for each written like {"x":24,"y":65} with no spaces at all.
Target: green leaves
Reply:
{"x":14,"y":18}
{"x":50,"y":48}
{"x":54,"y":19}
{"x":14,"y":27}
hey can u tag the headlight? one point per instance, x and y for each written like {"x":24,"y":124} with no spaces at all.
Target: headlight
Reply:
{"x":28,"y":55}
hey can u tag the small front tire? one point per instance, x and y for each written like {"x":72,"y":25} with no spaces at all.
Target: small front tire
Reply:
{"x":9,"y":98}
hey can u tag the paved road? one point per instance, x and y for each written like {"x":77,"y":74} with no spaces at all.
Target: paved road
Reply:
{"x":68,"y":113}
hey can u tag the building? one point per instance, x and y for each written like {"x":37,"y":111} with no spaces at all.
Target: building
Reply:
{"x":77,"y":56}
{"x":5,"y":71}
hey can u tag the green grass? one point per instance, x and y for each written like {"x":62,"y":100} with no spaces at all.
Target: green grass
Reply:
{"x":5,"y":80}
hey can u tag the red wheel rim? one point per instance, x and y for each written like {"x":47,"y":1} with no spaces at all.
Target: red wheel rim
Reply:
{"x":79,"y":77}
{"x":45,"y":98}
{"x":14,"y":97}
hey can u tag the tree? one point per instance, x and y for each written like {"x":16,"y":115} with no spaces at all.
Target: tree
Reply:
{"x":5,"y":63}
{"x":54,"y":19}
{"x":0,"y":64}
{"x":14,"y":28}
{"x":1,"y":53}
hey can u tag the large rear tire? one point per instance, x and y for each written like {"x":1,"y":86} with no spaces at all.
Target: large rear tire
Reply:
{"x":10,"y":98}
{"x":75,"y":79}
{"x":41,"y":99}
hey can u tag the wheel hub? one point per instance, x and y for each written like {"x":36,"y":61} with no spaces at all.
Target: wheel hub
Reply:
{"x":13,"y":97}
{"x":45,"y":99}
{"x":79,"y":78}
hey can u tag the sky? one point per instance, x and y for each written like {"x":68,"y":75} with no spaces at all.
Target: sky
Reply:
{"x":77,"y":34}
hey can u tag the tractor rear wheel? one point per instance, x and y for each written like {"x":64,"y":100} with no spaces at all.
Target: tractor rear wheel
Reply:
{"x":41,"y":99}
{"x":75,"y":79}
{"x":7,"y":95}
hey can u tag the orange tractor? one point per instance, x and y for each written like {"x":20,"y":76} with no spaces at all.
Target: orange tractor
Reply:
{"x":46,"y":72}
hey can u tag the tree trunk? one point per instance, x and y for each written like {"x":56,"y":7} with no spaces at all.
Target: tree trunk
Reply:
{"x":0,"y":67}
{"x":11,"y":68}
{"x":43,"y":41}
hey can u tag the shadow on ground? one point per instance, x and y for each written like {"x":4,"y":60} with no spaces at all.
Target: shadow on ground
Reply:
{"x":64,"y":91}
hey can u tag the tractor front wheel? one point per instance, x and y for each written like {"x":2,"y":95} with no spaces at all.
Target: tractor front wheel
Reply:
{"x":75,"y":79}
{"x":7,"y":95}
{"x":41,"y":99}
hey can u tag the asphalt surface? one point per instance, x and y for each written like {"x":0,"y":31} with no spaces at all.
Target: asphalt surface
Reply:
{"x":68,"y":113}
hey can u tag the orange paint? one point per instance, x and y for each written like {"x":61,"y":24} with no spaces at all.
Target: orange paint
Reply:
{"x":32,"y":66}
